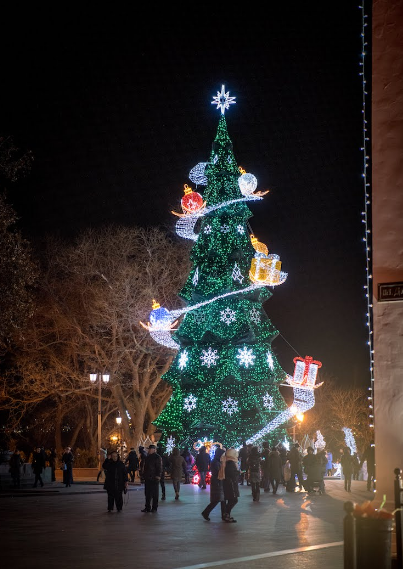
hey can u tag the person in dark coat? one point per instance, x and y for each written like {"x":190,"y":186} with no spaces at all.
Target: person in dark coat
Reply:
{"x":309,"y":462}
{"x":15,"y":464}
{"x":52,"y":462}
{"x":216,"y":487}
{"x":152,"y":475}
{"x":187,"y":455}
{"x":67,"y":462}
{"x":369,"y":456}
{"x":38,"y":464}
{"x":231,"y":489}
{"x":177,"y":467}
{"x":295,"y":459}
{"x":356,"y":466}
{"x":243,"y":457}
{"x":275,"y":469}
{"x":253,"y":469}
{"x":142,"y":459}
{"x":347,"y":466}
{"x":132,"y":463}
{"x":265,"y":467}
{"x":116,"y":480}
{"x":165,"y":467}
{"x":203,"y":466}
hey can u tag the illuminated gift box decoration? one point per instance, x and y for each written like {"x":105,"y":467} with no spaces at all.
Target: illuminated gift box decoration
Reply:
{"x":305,"y":372}
{"x":191,"y":201}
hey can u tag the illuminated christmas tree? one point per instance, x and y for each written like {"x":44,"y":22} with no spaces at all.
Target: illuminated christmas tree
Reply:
{"x":225,"y":375}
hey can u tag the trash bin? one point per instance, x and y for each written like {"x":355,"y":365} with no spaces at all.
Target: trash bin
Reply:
{"x":373,"y":543}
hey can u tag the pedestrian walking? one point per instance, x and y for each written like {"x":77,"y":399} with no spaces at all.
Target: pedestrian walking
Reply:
{"x":15,"y":463}
{"x":265,"y":467}
{"x":164,"y":469}
{"x":346,"y":462}
{"x":177,"y":466}
{"x":243,"y":458}
{"x":142,"y":458}
{"x":275,"y":469}
{"x":329,"y":463}
{"x":152,"y":475}
{"x":309,"y":462}
{"x":253,"y":469}
{"x":216,"y":487}
{"x":103,"y":455}
{"x":116,"y":480}
{"x":67,"y":464}
{"x":369,"y":457}
{"x":356,"y":466}
{"x":203,"y":466}
{"x":187,"y":455}
{"x":52,"y":462}
{"x":229,"y":473}
{"x":132,"y":463}
{"x":295,"y":459}
{"x":38,"y":464}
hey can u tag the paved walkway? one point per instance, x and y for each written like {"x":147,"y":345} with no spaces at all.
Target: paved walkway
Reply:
{"x":70,"y":527}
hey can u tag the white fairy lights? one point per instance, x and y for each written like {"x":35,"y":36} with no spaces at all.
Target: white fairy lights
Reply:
{"x":366,"y":213}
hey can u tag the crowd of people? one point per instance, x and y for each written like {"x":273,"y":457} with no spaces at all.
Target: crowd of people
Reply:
{"x":225,"y":470}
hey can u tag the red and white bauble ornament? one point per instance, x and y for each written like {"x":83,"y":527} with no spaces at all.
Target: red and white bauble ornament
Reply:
{"x":191,"y":201}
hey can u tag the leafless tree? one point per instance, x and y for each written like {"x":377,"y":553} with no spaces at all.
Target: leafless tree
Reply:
{"x":93,"y":295}
{"x":338,"y":407}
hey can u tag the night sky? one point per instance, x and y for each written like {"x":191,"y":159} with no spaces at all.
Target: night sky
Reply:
{"x":116,"y":110}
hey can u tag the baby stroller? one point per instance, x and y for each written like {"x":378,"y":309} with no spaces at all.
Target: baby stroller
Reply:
{"x":314,"y":482}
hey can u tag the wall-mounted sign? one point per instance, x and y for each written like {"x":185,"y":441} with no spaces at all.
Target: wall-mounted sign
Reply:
{"x":390,"y":291}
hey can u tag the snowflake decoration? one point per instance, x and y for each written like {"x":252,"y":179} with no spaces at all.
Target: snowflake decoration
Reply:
{"x":170,"y":445}
{"x":223,"y":100}
{"x":246,"y":357}
{"x":230,"y":406}
{"x":199,"y":317}
{"x":195,"y":278}
{"x":255,"y":315}
{"x":268,"y":401}
{"x":225,"y":228}
{"x":227,"y":316}
{"x":183,"y":359}
{"x":240,"y":229}
{"x":215,"y":159}
{"x":190,"y":403}
{"x":270,"y":360}
{"x":236,"y":274}
{"x":209,"y":357}
{"x":207,"y":229}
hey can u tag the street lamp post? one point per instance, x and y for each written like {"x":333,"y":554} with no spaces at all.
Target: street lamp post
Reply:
{"x":102,"y":378}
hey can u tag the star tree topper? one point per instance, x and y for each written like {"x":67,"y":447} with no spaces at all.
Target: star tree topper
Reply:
{"x":223,"y":100}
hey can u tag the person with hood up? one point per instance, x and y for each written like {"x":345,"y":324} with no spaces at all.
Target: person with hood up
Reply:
{"x":229,"y":473}
{"x":216,"y":487}
{"x":115,"y":480}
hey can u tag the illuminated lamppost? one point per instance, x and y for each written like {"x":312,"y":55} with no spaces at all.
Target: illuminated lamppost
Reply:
{"x":119,"y":423}
{"x":101,"y":378}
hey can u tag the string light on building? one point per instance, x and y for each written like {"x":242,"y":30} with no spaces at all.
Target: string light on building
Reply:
{"x":366,"y":177}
